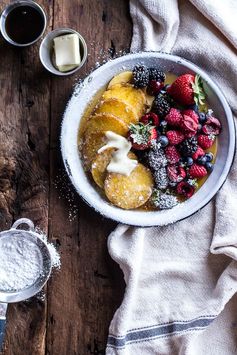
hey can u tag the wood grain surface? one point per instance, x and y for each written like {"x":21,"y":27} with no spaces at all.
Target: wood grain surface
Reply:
{"x":80,"y":300}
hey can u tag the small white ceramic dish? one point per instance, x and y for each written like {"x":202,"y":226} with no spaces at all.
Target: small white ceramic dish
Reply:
{"x":98,"y":80}
{"x":46,"y":51}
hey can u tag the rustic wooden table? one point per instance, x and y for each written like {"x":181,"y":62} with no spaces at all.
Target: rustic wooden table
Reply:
{"x":80,"y":299}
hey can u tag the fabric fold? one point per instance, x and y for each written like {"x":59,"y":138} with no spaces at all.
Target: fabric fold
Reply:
{"x":181,"y":279}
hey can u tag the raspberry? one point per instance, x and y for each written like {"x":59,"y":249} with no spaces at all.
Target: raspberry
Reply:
{"x":204,"y":141}
{"x":175,"y":137}
{"x":189,"y":126}
{"x":192,"y":114}
{"x":174,"y":117}
{"x":172,"y":154}
{"x":175,"y":173}
{"x":212,"y":126}
{"x":140,"y":76}
{"x":199,"y":153}
{"x":197,"y":171}
{"x":185,"y":189}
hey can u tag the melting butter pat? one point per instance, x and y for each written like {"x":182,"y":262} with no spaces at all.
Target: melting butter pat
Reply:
{"x":120,"y":162}
{"x":67,"y":52}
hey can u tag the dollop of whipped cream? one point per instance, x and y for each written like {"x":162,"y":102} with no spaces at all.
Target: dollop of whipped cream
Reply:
{"x":120,"y":162}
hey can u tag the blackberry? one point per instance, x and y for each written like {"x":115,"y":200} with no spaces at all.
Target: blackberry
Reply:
{"x":140,"y":76}
{"x":161,"y":104}
{"x":161,"y":178}
{"x":157,"y":75}
{"x":188,"y":146}
{"x":163,"y":200}
{"x":156,"y":158}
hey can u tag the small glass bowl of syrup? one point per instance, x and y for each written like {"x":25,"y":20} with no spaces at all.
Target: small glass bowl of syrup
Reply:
{"x":23,"y":22}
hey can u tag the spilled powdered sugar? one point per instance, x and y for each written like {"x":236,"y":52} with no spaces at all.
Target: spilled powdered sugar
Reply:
{"x":55,"y":257}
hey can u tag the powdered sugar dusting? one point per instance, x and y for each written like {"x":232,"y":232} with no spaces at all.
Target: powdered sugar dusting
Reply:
{"x":65,"y":191}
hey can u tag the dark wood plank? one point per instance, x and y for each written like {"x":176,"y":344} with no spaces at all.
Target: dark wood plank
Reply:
{"x":83,"y":296}
{"x":24,"y":171}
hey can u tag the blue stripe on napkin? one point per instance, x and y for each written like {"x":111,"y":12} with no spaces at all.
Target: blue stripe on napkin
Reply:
{"x":157,"y":331}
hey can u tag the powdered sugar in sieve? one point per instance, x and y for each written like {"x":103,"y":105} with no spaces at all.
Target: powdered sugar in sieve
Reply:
{"x":21,"y":263}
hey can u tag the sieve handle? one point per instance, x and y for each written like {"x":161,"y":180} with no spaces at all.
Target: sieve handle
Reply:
{"x":2,"y":331}
{"x":3,"y":310}
{"x":27,"y":221}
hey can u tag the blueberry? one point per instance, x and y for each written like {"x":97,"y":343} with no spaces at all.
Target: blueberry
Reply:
{"x":189,"y":161}
{"x":199,"y":127}
{"x":209,"y":166}
{"x":163,"y":127}
{"x":209,"y":156}
{"x":202,"y":160}
{"x":186,"y":161}
{"x":202,"y":117}
{"x":194,"y":107}
{"x":163,"y":140}
{"x":166,"y":87}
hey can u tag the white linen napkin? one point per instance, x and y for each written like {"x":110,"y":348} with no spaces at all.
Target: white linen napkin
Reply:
{"x":180,"y":277}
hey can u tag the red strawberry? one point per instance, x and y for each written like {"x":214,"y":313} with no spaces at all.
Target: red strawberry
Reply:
{"x":191,"y":113}
{"x":172,"y":154}
{"x":197,"y":171}
{"x":175,"y":173}
{"x":185,"y":189}
{"x":141,"y":136}
{"x":187,"y":89}
{"x":212,"y":126}
{"x":205,"y":142}
{"x":199,"y":153}
{"x":175,"y":137}
{"x":150,"y":118}
{"x":189,"y":126}
{"x":174,"y":117}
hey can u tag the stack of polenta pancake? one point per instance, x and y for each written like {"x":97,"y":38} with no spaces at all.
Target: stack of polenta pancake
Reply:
{"x":120,"y":105}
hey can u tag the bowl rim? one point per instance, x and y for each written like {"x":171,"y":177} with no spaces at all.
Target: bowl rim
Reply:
{"x":57,"y":32}
{"x":231,"y":146}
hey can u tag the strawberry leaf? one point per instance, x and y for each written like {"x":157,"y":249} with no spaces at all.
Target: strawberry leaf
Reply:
{"x":140,"y":133}
{"x":198,"y":90}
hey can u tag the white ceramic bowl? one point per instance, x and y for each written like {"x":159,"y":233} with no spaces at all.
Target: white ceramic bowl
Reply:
{"x":82,"y":97}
